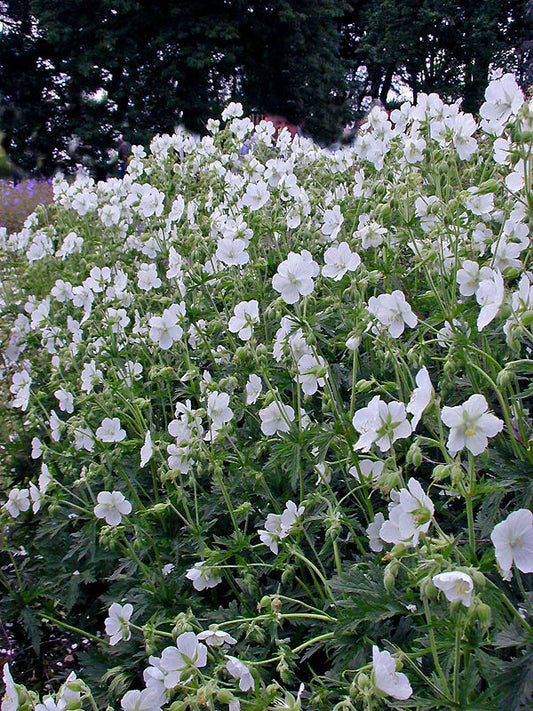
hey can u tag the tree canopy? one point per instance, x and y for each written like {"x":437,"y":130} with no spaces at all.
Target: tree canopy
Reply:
{"x":74,"y":76}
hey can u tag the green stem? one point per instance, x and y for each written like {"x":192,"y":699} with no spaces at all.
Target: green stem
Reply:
{"x":320,"y":638}
{"x":522,"y":589}
{"x":314,"y":569}
{"x":142,"y":567}
{"x":433,"y":645}
{"x":456,"y":663}
{"x":46,"y":618}
{"x":469,"y":504}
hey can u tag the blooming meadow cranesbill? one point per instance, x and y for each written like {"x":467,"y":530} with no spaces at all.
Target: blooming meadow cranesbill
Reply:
{"x":274,"y":398}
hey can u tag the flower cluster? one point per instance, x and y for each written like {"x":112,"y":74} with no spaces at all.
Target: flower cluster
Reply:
{"x":273,"y":396}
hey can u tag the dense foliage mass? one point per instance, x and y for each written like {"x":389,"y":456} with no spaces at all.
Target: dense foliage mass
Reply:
{"x":94,"y":70}
{"x":267,"y":429}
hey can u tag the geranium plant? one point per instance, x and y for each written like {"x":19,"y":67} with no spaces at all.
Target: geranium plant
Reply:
{"x":272,"y":405}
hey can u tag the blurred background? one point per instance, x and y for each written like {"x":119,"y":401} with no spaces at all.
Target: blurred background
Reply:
{"x":77,"y":76}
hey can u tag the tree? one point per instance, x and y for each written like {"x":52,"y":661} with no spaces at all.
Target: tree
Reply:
{"x":292,"y":64}
{"x":83,"y":74}
{"x":446,"y":46}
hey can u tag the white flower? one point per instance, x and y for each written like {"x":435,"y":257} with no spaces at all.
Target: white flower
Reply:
{"x":44,"y":479}
{"x":144,"y":700}
{"x":71,"y":696}
{"x":36,"y":497}
{"x":83,"y":439}
{"x":370,"y":233}
{"x":111,"y":506}
{"x":380,"y":423}
{"x":11,"y":701}
{"x":36,"y":448}
{"x":374,"y":539}
{"x":503,"y":99}
{"x":176,"y":211}
{"x":55,"y":426}
{"x":178,"y":662}
{"x":147,"y":278}
{"x":232,"y":110}
{"x":470,"y":425}
{"x":294,"y":277}
{"x":110,"y":430}
{"x":202,"y":577}
{"x":165,"y":329}
{"x":410,"y":513}
{"x":278,"y":526}
{"x":218,"y":409}
{"x":254,"y":386}
{"x":256,"y":195}
{"x":50,"y":704}
{"x":393,"y":312}
{"x":462,"y":127}
{"x":513,"y":542}
{"x":246,"y":315}
{"x":90,"y":376}
{"x":457,"y":586}
{"x":152,"y":201}
{"x":240,"y":671}
{"x":386,"y":678}
{"x":216,"y":638}
{"x":62,"y":290}
{"x":146,"y":450}
{"x":276,"y":417}
{"x":17,"y":502}
{"x":480,"y":203}
{"x":20,"y":388}
{"x":129,"y":372}
{"x":489,"y":296}
{"x":333,"y":220}
{"x":367,"y":470}
{"x":117,"y":623}
{"x":468,"y":277}
{"x":311,"y":373}
{"x":339,"y":259}
{"x":232,"y":251}
{"x":421,"y":397}
{"x":65,"y":399}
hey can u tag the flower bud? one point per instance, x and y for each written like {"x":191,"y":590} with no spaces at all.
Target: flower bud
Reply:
{"x":457,"y":474}
{"x":182,"y":623}
{"x":483,"y":612}
{"x":440,"y":472}
{"x":363,"y":386}
{"x":224,"y":696}
{"x":414,"y":455}
{"x":489,"y":186}
{"x":427,"y":589}
{"x":389,"y":575}
{"x":243,"y":508}
{"x":241,"y":354}
{"x":363,"y":682}
{"x":478,"y":578}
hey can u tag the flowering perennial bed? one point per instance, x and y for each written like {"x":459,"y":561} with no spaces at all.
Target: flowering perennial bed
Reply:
{"x":20,"y":200}
{"x":275,"y":404}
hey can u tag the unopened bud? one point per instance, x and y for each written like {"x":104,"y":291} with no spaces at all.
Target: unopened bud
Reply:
{"x":363,"y":682}
{"x":389,"y":575}
{"x":427,"y":589}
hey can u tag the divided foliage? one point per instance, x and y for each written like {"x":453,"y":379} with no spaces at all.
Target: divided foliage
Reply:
{"x":281,"y":395}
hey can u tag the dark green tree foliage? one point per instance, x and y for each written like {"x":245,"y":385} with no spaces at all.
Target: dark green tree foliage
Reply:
{"x":446,"y":46}
{"x":292,"y":65}
{"x":135,"y":68}
{"x":26,"y":108}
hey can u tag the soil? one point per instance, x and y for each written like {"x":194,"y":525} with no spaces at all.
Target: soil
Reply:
{"x":43,"y":672}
